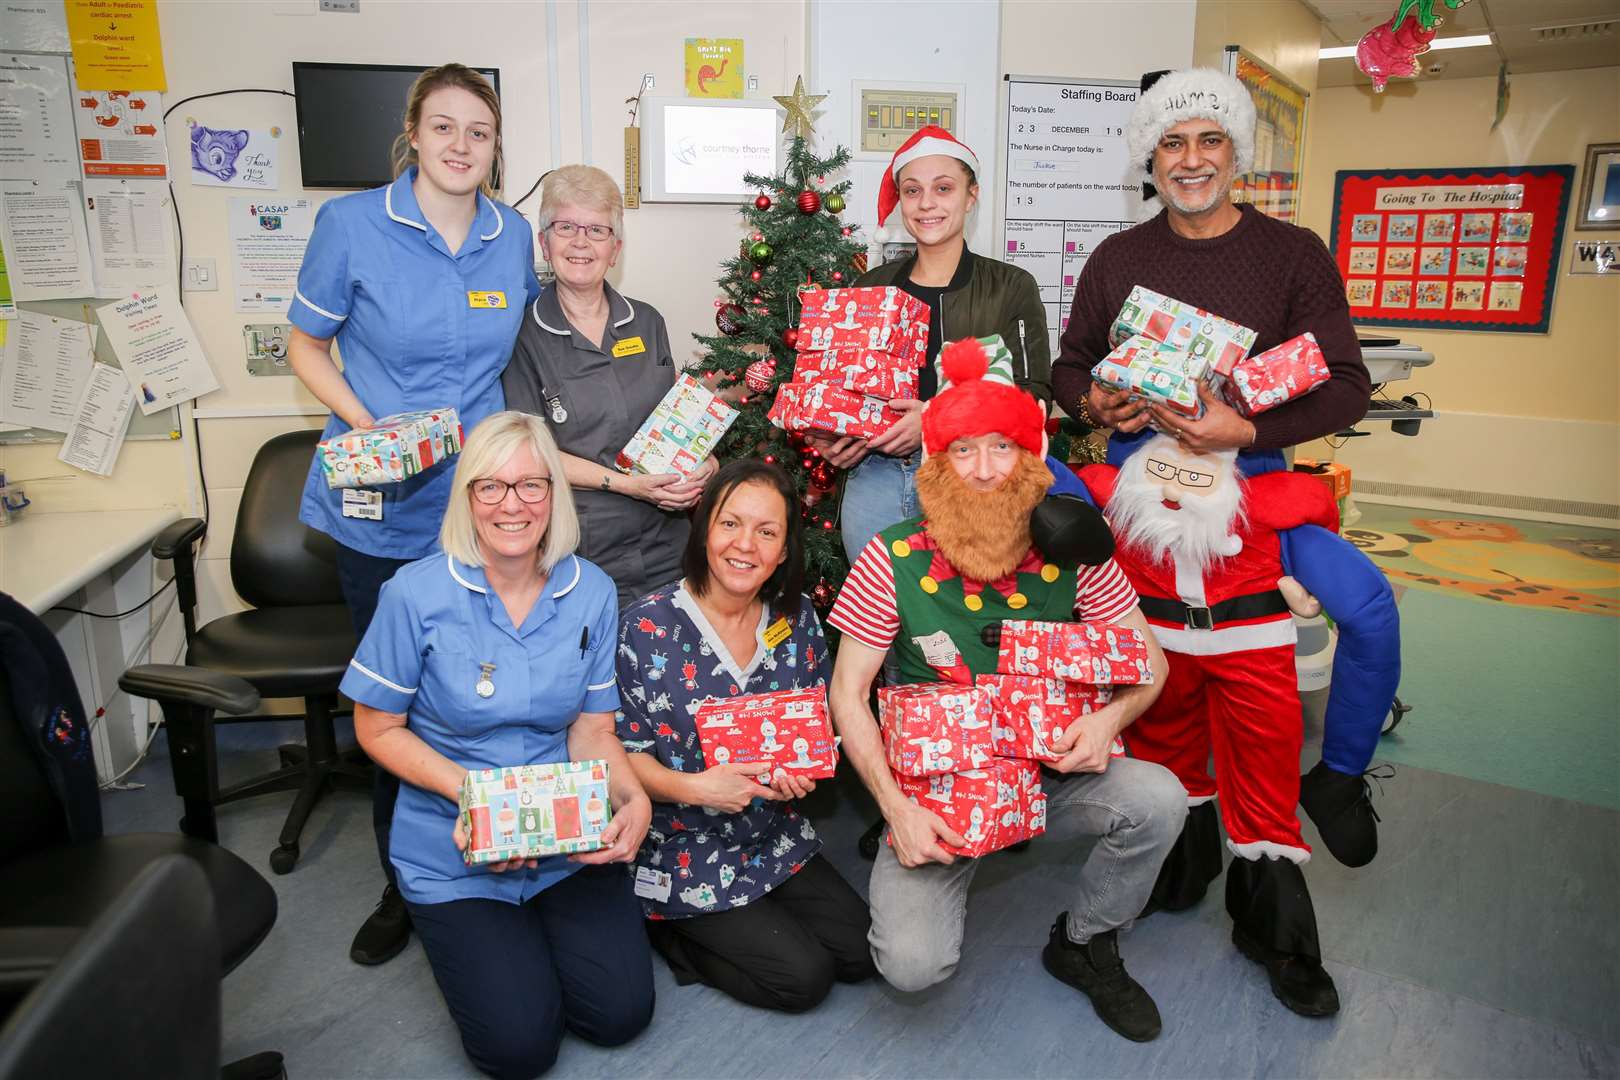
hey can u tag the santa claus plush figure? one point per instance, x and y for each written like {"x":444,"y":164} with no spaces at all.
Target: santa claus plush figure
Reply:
{"x":1199,"y":542}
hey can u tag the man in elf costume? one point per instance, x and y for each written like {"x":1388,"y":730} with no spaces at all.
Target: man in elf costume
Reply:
{"x":1199,"y":542}
{"x":929,"y":587}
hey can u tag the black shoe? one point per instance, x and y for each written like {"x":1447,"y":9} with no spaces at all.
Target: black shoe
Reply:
{"x":1341,"y":806}
{"x":1096,"y":970}
{"x":1300,"y":982}
{"x":870,"y":839}
{"x":385,"y":933}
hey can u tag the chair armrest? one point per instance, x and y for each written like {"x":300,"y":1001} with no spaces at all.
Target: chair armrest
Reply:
{"x":177,"y":537}
{"x":29,"y":953}
{"x":191,"y":686}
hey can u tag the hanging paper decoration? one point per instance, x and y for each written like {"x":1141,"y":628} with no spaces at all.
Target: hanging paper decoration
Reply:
{"x":1391,"y":50}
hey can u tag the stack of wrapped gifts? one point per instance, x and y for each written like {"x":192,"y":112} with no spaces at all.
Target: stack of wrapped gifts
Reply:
{"x":857,"y":350}
{"x":972,"y":754}
{"x":1164,"y":348}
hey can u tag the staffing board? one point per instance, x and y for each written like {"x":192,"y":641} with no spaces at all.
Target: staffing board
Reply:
{"x":1067,"y":182}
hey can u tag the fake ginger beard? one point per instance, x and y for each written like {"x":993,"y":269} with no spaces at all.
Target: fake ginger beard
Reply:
{"x":984,"y":534}
{"x":1170,"y":501}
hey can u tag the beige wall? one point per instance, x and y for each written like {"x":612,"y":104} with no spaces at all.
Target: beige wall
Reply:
{"x":1283,"y":33}
{"x":1528,"y":415}
{"x":1099,"y":39}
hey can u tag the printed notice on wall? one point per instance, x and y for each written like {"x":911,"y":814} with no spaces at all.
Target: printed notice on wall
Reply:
{"x":116,"y":44}
{"x":100,"y":422}
{"x":267,"y":247}
{"x":36,"y":120}
{"x":1068,"y":183}
{"x":47,"y":252}
{"x":155,"y":342}
{"x":130,"y":238}
{"x":47,"y":361}
{"x":120,"y":133}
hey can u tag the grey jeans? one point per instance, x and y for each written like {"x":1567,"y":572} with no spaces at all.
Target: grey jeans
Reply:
{"x":1134,"y":810}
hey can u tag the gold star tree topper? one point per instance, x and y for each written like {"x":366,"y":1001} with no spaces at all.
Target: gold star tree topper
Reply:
{"x":798,"y":105}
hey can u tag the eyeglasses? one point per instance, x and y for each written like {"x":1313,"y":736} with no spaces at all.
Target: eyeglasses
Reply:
{"x":1192,"y":478}
{"x":567,"y":230}
{"x":530,"y":489}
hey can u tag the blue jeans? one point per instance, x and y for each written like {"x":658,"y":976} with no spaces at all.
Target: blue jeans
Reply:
{"x":882,"y":491}
{"x":516,"y":976}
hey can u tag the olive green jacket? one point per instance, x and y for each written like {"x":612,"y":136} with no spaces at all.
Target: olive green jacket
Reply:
{"x":988,"y":297}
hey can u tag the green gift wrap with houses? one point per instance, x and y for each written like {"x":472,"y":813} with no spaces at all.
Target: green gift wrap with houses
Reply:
{"x":530,"y":811}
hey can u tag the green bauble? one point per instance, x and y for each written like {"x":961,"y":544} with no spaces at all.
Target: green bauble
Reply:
{"x":760,"y":253}
{"x":834,"y":204}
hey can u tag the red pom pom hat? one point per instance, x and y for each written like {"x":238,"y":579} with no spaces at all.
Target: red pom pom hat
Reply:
{"x":979,"y":398}
{"x":927,"y":141}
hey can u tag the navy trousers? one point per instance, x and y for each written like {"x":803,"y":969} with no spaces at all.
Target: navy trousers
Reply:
{"x":515,"y":977}
{"x":361,"y":577}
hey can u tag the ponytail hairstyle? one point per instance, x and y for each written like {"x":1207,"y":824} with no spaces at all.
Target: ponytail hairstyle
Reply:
{"x":449,"y":75}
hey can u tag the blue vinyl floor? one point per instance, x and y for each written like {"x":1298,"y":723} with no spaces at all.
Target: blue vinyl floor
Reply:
{"x":1484,"y":941}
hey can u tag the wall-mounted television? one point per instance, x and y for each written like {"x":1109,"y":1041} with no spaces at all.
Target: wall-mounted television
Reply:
{"x":698,"y":151}
{"x":348,"y":115}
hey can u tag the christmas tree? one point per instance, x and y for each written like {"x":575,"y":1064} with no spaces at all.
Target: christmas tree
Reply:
{"x":795,"y":243}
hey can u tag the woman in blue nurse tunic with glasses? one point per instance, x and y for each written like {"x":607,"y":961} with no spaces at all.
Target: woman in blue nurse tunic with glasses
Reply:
{"x":422,"y":284}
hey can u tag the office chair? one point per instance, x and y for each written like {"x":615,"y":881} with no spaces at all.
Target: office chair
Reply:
{"x":295,"y":642}
{"x":137,"y":993}
{"x":59,"y":875}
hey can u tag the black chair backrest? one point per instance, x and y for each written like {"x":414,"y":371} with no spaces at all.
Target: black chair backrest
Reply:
{"x":277,"y":560}
{"x":137,"y":996}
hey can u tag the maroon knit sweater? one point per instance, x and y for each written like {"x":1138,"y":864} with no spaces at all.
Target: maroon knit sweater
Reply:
{"x":1275,"y":278}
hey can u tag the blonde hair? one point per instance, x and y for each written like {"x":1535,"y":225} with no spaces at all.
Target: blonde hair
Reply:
{"x":490,"y":446}
{"x":581,"y":185}
{"x":461,"y":77}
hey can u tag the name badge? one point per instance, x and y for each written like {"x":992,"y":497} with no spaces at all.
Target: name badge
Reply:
{"x":479,"y":299}
{"x":778,"y":632}
{"x":359,"y":503}
{"x":938,"y":650}
{"x":652,"y":884}
{"x":630,"y":346}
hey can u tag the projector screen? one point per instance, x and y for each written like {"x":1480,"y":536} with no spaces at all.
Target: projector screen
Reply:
{"x":700,"y":152}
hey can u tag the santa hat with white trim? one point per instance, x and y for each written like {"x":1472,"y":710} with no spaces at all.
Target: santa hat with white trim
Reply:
{"x":1169,"y":97}
{"x":928,"y":140}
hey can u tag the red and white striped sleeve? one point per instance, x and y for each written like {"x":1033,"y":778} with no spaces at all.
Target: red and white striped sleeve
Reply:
{"x":866,"y":608}
{"x":1102,"y":593}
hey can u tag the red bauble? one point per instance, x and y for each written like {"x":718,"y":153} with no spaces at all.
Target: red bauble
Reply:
{"x":759,"y":375}
{"x":822,"y":595}
{"x":729,"y":319}
{"x":763,"y":202}
{"x":822,"y":474}
{"x":828,"y":525}
{"x":770,"y":459}
{"x":838,"y":275}
{"x":759,"y":301}
{"x":754,"y":275}
{"x":846,"y":231}
{"x":758,"y":237}
{"x":790,"y":337}
{"x":809,"y":202}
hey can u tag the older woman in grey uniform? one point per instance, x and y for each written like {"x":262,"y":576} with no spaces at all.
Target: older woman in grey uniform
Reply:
{"x":593,"y":364}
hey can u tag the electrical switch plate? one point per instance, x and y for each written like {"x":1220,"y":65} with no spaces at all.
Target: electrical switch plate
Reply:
{"x":351,"y":7}
{"x":266,"y":346}
{"x":200,"y":275}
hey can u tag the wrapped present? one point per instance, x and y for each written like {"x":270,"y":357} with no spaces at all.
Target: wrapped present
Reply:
{"x":1291,"y":370}
{"x":880,"y":317}
{"x":991,"y":808}
{"x":681,"y":432}
{"x":530,"y":811}
{"x":1219,"y":343}
{"x":1102,"y":654}
{"x":830,"y":410}
{"x":871,"y":372}
{"x":1031,"y":713}
{"x":787,"y":729}
{"x":392,"y":449}
{"x":1154,"y":371}
{"x":932,"y":728}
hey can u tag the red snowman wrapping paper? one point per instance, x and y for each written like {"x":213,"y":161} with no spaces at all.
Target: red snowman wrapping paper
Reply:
{"x":932,"y":728}
{"x":787,"y":730}
{"x":1102,"y":654}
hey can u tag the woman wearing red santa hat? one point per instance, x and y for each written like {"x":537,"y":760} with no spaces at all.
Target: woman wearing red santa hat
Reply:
{"x":933,"y":181}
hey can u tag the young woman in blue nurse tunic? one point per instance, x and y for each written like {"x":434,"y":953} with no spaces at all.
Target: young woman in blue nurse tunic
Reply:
{"x":731,"y":876}
{"x":498,"y":651}
{"x":423,"y":285}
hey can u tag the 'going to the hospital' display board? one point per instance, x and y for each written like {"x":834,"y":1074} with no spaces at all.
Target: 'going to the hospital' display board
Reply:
{"x":1068,"y":184}
{"x":1455,"y":249}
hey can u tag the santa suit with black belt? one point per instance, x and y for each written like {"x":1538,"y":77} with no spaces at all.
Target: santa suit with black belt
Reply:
{"x":1232,"y":693}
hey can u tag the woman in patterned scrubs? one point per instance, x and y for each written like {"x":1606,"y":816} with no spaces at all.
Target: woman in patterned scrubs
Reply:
{"x":730,"y":876}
